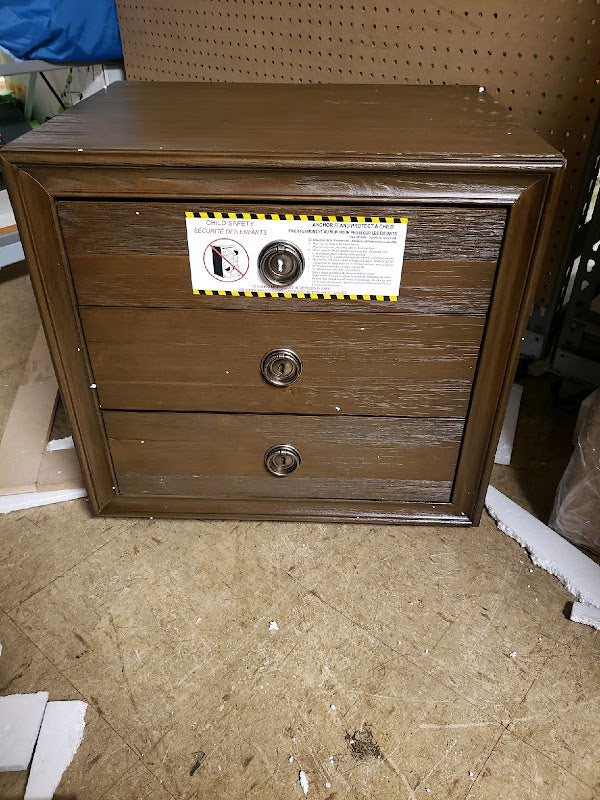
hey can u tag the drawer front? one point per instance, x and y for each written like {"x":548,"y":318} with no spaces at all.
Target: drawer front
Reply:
{"x":223,"y":456}
{"x":136,"y":254}
{"x":208,"y":360}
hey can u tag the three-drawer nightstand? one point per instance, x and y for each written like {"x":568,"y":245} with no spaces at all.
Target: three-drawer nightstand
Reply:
{"x":324,"y":402}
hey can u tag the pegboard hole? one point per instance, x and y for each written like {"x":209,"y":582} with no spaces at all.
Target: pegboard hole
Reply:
{"x":306,"y":41}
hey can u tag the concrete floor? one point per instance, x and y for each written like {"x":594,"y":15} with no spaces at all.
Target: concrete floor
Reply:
{"x":390,"y":675}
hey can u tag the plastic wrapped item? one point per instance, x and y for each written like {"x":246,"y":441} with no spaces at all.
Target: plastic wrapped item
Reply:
{"x":576,"y":512}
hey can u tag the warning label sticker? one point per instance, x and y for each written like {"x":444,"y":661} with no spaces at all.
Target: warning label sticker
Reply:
{"x":339,"y":257}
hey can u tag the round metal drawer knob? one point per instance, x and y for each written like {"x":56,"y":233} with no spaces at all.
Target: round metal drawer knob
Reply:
{"x":281,"y":367}
{"x":282,"y":459}
{"x":280,"y":263}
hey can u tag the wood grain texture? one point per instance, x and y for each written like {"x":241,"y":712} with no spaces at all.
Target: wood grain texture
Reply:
{"x":518,"y":51}
{"x":500,"y":350}
{"x":429,"y":287}
{"x":378,"y":512}
{"x":453,"y":167}
{"x":349,"y":185}
{"x":183,"y":360}
{"x":114,"y":228}
{"x":40,"y":234}
{"x":222,"y":455}
{"x":283,"y":124}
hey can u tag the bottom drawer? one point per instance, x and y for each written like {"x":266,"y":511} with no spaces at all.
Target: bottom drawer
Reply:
{"x":223,"y":456}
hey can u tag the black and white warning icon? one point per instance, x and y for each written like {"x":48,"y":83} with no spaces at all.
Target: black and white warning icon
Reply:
{"x":226,"y":260}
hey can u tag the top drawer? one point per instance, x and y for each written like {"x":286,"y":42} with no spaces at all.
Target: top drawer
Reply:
{"x":132,"y":253}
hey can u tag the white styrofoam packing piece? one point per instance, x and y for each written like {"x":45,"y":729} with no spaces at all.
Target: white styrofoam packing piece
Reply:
{"x":303,"y":781}
{"x":588,"y":615}
{"x":548,"y":550}
{"x":17,"y":502}
{"x":60,"y":736}
{"x":20,"y":720}
{"x":507,"y":436}
{"x":60,"y":444}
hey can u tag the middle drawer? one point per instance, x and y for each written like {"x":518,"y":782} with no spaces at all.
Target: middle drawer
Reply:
{"x":210,"y":360}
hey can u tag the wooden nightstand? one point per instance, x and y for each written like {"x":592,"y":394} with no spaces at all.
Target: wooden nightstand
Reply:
{"x":273,"y":404}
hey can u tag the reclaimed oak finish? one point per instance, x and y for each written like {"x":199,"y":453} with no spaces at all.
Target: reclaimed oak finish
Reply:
{"x":398,"y":408}
{"x":136,"y":254}
{"x":191,"y":360}
{"x":221,"y":455}
{"x":138,"y":229}
{"x":434,"y":287}
{"x":271,"y":126}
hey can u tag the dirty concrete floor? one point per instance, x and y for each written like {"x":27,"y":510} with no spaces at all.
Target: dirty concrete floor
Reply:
{"x":389,"y":676}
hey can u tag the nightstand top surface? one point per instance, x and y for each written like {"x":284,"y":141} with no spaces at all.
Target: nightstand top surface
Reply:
{"x":309,"y":126}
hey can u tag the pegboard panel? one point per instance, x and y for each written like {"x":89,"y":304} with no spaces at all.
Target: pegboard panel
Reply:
{"x":539,"y":59}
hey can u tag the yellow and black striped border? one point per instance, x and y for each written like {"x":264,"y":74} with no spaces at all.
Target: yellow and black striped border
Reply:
{"x":382,"y":298}
{"x":291,"y":217}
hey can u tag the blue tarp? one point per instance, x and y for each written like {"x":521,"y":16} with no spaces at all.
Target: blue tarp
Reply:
{"x":60,"y":30}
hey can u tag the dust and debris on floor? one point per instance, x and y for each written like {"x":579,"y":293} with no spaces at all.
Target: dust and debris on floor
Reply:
{"x":197,"y":763}
{"x":362,"y":744}
{"x":179,"y":660}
